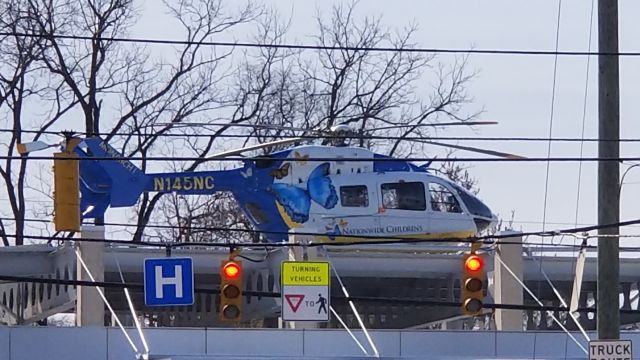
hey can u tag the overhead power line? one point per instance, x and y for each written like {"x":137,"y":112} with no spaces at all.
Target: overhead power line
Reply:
{"x":366,"y":137}
{"x":268,"y":294}
{"x":357,"y":239}
{"x":349,"y":159}
{"x":213,"y":228}
{"x":371,"y":240}
{"x":320,"y":47}
{"x":156,"y":225}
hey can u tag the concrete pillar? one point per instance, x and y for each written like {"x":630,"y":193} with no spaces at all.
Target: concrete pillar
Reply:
{"x":89,"y":305}
{"x":507,"y":290}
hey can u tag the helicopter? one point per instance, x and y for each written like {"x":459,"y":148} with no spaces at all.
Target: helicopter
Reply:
{"x":336,"y":191}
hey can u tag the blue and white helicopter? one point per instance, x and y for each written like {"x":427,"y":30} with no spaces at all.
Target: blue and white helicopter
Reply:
{"x":375,"y":196}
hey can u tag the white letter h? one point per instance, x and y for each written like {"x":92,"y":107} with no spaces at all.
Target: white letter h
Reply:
{"x":176,"y":281}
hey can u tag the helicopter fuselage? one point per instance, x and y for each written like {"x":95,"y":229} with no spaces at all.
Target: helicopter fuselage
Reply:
{"x":338,"y":193}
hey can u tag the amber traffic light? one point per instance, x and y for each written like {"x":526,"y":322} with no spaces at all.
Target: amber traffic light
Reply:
{"x":66,"y":192}
{"x":472,"y":283}
{"x":231,"y":281}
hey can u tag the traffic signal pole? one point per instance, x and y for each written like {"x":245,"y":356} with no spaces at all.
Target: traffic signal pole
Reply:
{"x":608,"y":313}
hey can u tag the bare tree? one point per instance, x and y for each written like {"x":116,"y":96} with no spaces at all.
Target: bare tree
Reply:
{"x":309,"y":91}
{"x":24,"y":84}
{"x":254,"y":89}
{"x":122,"y":92}
{"x":364,"y":88}
{"x":139,"y":103}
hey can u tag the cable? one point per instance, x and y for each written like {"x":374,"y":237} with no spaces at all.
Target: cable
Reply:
{"x":317,"y":47}
{"x":384,"y":241}
{"x":369,"y":299}
{"x":106,"y":302}
{"x":372,"y":240}
{"x":352,"y":305}
{"x":524,"y":286}
{"x":553,"y":102}
{"x":322,"y":159}
{"x":366,"y":137}
{"x":254,"y":260}
{"x":132,"y":308}
{"x":156,"y":225}
{"x":353,"y":337}
{"x":584,"y":112}
{"x":548,"y":164}
{"x":275,"y":245}
{"x":579,"y":185}
{"x":253,"y":231}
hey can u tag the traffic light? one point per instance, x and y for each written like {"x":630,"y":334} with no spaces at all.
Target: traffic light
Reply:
{"x":231,"y":276}
{"x":66,"y":192}
{"x":472,"y":284}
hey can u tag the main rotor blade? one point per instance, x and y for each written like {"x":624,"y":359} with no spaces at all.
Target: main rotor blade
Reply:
{"x":474,"y":149}
{"x":253,"y":147}
{"x":459,"y":123}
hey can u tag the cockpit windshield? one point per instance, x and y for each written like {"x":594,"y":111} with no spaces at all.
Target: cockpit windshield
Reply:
{"x":475,"y":206}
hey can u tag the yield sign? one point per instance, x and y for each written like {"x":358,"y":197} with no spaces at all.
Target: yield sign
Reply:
{"x":294,"y":301}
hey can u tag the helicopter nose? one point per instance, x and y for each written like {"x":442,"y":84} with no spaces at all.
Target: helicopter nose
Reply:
{"x":484,"y":223}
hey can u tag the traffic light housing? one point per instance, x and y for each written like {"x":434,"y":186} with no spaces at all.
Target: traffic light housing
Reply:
{"x":472,"y":283}
{"x":66,"y":191}
{"x":231,"y":285}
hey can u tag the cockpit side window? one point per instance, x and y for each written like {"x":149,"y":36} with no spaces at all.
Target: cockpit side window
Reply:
{"x":442,"y":199}
{"x":475,"y":206}
{"x":404,"y":196}
{"x":354,"y":196}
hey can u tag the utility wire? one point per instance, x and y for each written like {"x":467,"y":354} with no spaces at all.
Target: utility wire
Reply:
{"x":323,"y":159}
{"x":319,"y":137}
{"x":548,"y":164}
{"x":551,"y":113}
{"x":366,"y":137}
{"x":319,"y":47}
{"x":265,"y":245}
{"x":369,"y":299}
{"x":573,"y":230}
{"x":106,"y":302}
{"x":156,"y":225}
{"x":579,"y":180}
{"x":258,"y":232}
{"x":371,"y":240}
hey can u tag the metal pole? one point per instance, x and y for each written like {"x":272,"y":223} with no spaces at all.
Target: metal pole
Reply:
{"x":608,"y":314}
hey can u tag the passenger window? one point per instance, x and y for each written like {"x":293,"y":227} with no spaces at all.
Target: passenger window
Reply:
{"x":354,"y":196}
{"x":403,"y":196}
{"x":442,"y":199}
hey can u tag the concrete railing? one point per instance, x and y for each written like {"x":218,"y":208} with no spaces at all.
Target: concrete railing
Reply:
{"x":18,"y":343}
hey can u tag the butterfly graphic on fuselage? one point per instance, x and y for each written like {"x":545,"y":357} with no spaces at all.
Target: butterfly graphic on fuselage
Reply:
{"x":297,"y":201}
{"x":333,"y":233}
{"x":282,"y":172}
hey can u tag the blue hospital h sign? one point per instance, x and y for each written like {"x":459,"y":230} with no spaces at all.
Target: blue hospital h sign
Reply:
{"x":168,"y":282}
